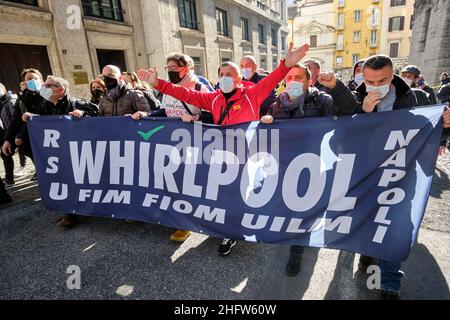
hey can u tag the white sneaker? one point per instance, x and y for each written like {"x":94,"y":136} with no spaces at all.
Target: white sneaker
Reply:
{"x":20,"y":172}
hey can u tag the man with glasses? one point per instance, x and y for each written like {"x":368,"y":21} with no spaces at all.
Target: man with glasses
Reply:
{"x":55,"y":91}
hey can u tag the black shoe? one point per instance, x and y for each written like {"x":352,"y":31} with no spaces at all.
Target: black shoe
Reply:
{"x":293,"y":266}
{"x":389,"y":295}
{"x":225,"y":247}
{"x":364,"y":263}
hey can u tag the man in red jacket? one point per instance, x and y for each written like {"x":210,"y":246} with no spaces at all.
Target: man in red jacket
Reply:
{"x":233,"y":103}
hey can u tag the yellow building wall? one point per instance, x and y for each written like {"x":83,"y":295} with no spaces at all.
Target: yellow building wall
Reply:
{"x":364,"y":26}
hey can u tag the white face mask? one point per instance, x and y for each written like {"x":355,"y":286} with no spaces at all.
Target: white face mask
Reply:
{"x":247,"y":73}
{"x":46,"y":93}
{"x":408,"y":81}
{"x":226,"y":84}
{"x":359,"y":78}
{"x":382,"y":90}
{"x":294,"y":89}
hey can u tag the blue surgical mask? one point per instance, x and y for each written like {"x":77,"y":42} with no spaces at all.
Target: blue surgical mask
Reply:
{"x":34,"y":85}
{"x":294,"y":89}
{"x":226,"y":84}
{"x":382,"y":90}
{"x":359,"y":78}
{"x":247,"y":73}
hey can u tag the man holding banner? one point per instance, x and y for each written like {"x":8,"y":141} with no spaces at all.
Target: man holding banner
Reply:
{"x":381,"y":91}
{"x":232,"y":103}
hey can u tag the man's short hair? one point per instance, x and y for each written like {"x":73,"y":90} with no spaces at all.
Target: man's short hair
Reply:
{"x":30,"y":70}
{"x":315,"y":62}
{"x":307,"y":71}
{"x":179,"y":58}
{"x":251,"y":58}
{"x":231,"y":64}
{"x":60,"y":83}
{"x":378,"y":62}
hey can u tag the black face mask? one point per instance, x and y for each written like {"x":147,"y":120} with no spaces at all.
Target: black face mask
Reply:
{"x":110,"y":83}
{"x":174,"y":77}
{"x":97,"y":94}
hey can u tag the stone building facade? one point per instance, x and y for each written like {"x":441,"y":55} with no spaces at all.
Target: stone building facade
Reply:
{"x":314,"y":22}
{"x":76,"y":38}
{"x":430,"y":44}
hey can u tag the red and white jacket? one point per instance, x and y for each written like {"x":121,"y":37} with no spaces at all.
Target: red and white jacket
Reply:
{"x":247,"y":100}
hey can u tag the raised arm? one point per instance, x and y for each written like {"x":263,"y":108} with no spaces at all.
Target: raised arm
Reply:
{"x":199,"y":99}
{"x":264,"y":88}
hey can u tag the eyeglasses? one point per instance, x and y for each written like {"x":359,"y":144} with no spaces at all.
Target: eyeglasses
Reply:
{"x":48,"y":85}
{"x":174,"y":68}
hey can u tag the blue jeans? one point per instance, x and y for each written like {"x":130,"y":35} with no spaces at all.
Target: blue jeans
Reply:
{"x":391,"y":275}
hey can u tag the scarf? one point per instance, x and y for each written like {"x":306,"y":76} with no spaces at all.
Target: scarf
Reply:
{"x":189,"y":80}
{"x":293,"y":105}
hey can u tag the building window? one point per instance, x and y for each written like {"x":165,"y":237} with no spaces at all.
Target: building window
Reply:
{"x":263,"y":62}
{"x":356,"y":58}
{"x":357,"y":36}
{"x":358,"y":15}
{"x":341,"y":3}
{"x":340,"y":23}
{"x":222,"y":22}
{"x":105,"y":9}
{"x":340,"y":42}
{"x":198,"y":68}
{"x":274,"y":37}
{"x":396,"y":24}
{"x":244,"y":27}
{"x":28,"y":2}
{"x":375,"y":17}
{"x":339,"y":60}
{"x":313,"y":41}
{"x":283,"y":43}
{"x":393,"y":50}
{"x":274,"y":62}
{"x":397,"y":3}
{"x":411,"y":23}
{"x":373,"y":38}
{"x":261,"y":34}
{"x":188,"y":14}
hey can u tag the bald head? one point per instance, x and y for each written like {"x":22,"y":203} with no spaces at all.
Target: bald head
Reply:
{"x":111,"y":71}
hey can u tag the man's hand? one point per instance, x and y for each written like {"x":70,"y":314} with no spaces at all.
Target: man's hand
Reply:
{"x":26,"y":116}
{"x":327,"y":79}
{"x":446,"y":117}
{"x":267,"y":119}
{"x":294,"y":55}
{"x":189,"y":118}
{"x":23,"y":86}
{"x":150,"y":76}
{"x":6,"y":148}
{"x":371,"y":101}
{"x":139,"y":115}
{"x":77,"y":113}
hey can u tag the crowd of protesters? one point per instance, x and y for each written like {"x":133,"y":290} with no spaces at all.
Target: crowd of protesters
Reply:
{"x":292,"y":90}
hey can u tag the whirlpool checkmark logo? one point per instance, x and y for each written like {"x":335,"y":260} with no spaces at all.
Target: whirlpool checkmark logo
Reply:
{"x":147,"y":135}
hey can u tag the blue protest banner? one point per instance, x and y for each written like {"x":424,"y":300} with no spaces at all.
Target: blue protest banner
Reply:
{"x":357,"y":183}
